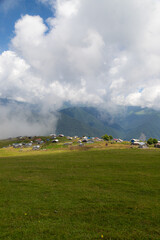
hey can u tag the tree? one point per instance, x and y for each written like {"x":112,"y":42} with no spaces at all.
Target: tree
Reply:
{"x":155,"y":141}
{"x":110,"y":137}
{"x":150,"y":141}
{"x":107,"y":138}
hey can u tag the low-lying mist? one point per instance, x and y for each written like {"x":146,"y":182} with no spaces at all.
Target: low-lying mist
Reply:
{"x":20,"y":119}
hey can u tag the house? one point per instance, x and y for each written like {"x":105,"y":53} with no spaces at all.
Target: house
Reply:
{"x":17,"y":145}
{"x":118,"y":140}
{"x":53,"y":135}
{"x":61,"y":135}
{"x":157,"y":145}
{"x":143,"y":145}
{"x":28,"y":144}
{"x":115,"y":139}
{"x":37,"y":147}
{"x":84,"y":139}
{"x":55,"y":141}
{"x":134,"y":141}
{"x":39,"y":141}
{"x":69,"y":138}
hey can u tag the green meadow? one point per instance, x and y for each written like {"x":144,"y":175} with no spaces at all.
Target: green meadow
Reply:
{"x":89,"y":194}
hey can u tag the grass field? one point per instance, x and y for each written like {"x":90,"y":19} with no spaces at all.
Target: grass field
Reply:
{"x":80,"y":195}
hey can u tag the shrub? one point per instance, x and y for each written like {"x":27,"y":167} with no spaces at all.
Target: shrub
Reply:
{"x":150,"y":141}
{"x":155,"y":141}
{"x":107,"y":138}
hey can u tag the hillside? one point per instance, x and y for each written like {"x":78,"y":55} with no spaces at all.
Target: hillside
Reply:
{"x":132,"y":122}
{"x":85,"y":121}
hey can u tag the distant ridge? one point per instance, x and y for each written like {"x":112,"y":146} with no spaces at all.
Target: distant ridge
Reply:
{"x":92,"y":122}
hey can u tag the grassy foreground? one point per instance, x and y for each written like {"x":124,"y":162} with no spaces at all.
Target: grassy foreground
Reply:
{"x":81,"y":195}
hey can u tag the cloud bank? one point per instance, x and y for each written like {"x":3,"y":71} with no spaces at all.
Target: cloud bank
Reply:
{"x":103,"y":53}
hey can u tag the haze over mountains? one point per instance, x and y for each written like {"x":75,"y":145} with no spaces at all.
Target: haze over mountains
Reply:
{"x":127,"y":123}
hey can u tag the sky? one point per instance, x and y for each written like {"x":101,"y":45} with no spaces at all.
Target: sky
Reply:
{"x":11,"y":11}
{"x":99,"y":53}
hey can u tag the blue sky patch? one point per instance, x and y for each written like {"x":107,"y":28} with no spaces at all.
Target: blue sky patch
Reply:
{"x":140,"y":90}
{"x":11,"y":11}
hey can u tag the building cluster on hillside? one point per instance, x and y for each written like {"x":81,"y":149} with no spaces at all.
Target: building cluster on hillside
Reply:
{"x":36,"y":142}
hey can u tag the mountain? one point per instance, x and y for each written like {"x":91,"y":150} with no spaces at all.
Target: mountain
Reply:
{"x":83,"y":121}
{"x":131,"y":122}
{"x":127,"y":123}
{"x":139,"y":121}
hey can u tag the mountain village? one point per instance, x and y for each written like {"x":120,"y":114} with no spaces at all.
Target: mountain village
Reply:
{"x":54,"y":141}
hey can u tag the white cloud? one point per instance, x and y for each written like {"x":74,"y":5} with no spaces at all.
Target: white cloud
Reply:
{"x":95,"y":52}
{"x":78,"y":43}
{"x":67,"y":8}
